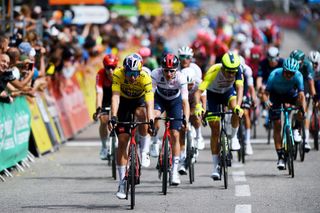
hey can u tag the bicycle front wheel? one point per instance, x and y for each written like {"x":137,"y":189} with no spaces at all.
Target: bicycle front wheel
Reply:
{"x":316,"y":129}
{"x":223,"y":158}
{"x":302,"y":144}
{"x":190,"y":164}
{"x":132,"y":174}
{"x":290,"y":154}
{"x":165,"y":166}
{"x":113,"y":157}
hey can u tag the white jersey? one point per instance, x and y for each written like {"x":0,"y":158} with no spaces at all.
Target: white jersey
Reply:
{"x":247,"y":72}
{"x":147,"y":70}
{"x":195,"y":74}
{"x":197,"y":71}
{"x":171,"y":89}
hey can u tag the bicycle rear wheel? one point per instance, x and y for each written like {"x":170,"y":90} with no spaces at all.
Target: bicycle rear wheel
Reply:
{"x":223,"y":158}
{"x":132,"y":180}
{"x":290,"y":154}
{"x":302,"y":144}
{"x":189,"y":162}
{"x":241,"y":137}
{"x":113,"y":157}
{"x":165,"y":166}
{"x":316,"y":129}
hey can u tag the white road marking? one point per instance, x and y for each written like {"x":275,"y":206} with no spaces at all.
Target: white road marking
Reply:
{"x":243,"y":209}
{"x":242,"y":191}
{"x":239,"y":176}
{"x":83,"y":143}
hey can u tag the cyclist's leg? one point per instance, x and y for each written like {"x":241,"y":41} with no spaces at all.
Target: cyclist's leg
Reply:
{"x":159,"y":108}
{"x":122,"y":158}
{"x":247,"y":124}
{"x":174,"y":110}
{"x":214,"y":100}
{"x":104,"y":136}
{"x":234,"y":123}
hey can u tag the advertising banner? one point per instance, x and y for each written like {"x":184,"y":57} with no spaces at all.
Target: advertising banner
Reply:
{"x":14,"y":132}
{"x":39,"y":131}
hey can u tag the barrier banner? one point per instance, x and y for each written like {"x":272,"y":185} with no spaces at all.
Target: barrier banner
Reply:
{"x":52,"y":132}
{"x":14,"y":132}
{"x":39,"y":131}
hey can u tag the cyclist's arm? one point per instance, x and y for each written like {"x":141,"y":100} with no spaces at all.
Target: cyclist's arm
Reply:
{"x":197,"y":95}
{"x":203,"y":99}
{"x":311,"y":86}
{"x":239,"y":88}
{"x":149,"y":97}
{"x":302,"y":100}
{"x":115,"y":101}
{"x":99,"y":91}
{"x":186,"y":109}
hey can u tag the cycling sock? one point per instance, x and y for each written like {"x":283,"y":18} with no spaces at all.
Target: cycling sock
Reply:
{"x":198,"y":132}
{"x":145,"y":143}
{"x":234,"y":132}
{"x":104,"y":142}
{"x":121,"y":172}
{"x":176,"y":160}
{"x":183,"y":154}
{"x":307,"y":133}
{"x":248,"y":134}
{"x":280,"y":153}
{"x":215,"y":161}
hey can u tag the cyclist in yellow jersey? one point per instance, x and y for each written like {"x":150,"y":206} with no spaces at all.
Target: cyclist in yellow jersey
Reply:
{"x":131,"y":94}
{"x":219,"y":82}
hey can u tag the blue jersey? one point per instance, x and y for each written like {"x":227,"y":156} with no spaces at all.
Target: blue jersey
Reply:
{"x":280,"y":85}
{"x":265,"y":69}
{"x":307,"y":70}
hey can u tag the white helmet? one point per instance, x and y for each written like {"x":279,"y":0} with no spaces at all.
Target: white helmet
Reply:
{"x":273,"y":52}
{"x":189,"y":73}
{"x":185,"y":50}
{"x":314,"y":56}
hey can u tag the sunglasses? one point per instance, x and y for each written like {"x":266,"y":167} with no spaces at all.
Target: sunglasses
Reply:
{"x":233,"y":71}
{"x":132,"y":73}
{"x":169,"y":70}
{"x":183,"y":57}
{"x":274,"y":59}
{"x":109,"y":67}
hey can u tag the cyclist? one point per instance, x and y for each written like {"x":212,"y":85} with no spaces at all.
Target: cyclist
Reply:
{"x":249,"y":100}
{"x":171,"y":95}
{"x":103,"y":100}
{"x":148,"y":60}
{"x":266,"y":66}
{"x":193,"y":84}
{"x":314,"y":57}
{"x":285,"y":85}
{"x":185,"y":55}
{"x":131,"y":94}
{"x":219,"y":82}
{"x":306,"y":69}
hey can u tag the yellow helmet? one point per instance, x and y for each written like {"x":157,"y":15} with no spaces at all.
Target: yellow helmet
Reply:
{"x":231,"y":61}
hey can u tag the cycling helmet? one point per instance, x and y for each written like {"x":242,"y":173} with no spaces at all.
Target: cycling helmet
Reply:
{"x":273,"y":52}
{"x":291,"y":65}
{"x":170,"y":61}
{"x":297,"y":54}
{"x":256,"y":52}
{"x":231,"y":61}
{"x":145,"y":52}
{"x":110,"y":60}
{"x":314,"y":56}
{"x":185,"y":50}
{"x":133,"y":62}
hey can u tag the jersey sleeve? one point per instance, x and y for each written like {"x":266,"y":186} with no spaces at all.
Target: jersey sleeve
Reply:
{"x":184,"y":87}
{"x":270,"y":81}
{"x":116,"y":80}
{"x":300,"y":83}
{"x":239,"y":77}
{"x":209,"y":76}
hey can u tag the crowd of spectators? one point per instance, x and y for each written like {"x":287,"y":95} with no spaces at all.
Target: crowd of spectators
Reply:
{"x":33,"y":59}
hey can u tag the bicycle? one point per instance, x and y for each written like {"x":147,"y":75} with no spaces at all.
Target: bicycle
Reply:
{"x":241,"y":137}
{"x":288,"y":143}
{"x":190,"y":154}
{"x":165,"y":157}
{"x":112,"y":147}
{"x":225,"y":155}
{"x":133,"y":167}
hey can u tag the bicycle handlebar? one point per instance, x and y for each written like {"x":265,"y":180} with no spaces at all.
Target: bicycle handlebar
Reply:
{"x":167,"y":119}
